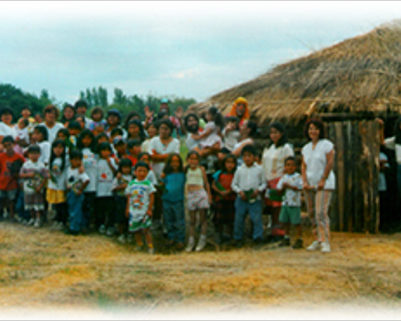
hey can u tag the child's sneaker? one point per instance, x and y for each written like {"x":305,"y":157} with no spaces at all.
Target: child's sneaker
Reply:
{"x":201,"y":243}
{"x":102,"y":229}
{"x":298,"y":244}
{"x":121,"y":239}
{"x":285,"y":242}
{"x":314,"y":246}
{"x":190,"y":245}
{"x":37,"y":223}
{"x":31,"y":221}
{"x":325,"y":247}
{"x":151,"y":250}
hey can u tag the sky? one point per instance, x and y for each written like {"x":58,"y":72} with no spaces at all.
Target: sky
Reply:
{"x":185,"y":49}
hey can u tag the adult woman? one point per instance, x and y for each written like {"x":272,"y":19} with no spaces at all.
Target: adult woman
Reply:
{"x":247,"y":132}
{"x":6,"y":126}
{"x":51,"y":114}
{"x":273,"y":168}
{"x":68,"y":114}
{"x":318,"y":181}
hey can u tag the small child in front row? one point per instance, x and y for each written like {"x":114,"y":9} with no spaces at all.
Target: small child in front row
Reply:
{"x":140,"y":199}
{"x":198,"y":199}
{"x":34,"y":174}
{"x":77,"y":180}
{"x":290,"y":214}
{"x":173,"y":180}
{"x":248,"y":183}
{"x":120,"y":183}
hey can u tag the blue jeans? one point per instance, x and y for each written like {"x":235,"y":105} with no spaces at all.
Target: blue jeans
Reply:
{"x":255,"y":211}
{"x":75,"y":210}
{"x":174,"y":220}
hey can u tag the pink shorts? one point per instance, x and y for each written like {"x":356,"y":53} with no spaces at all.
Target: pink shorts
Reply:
{"x":197,"y":200}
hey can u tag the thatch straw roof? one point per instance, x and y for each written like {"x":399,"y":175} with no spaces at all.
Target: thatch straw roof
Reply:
{"x":356,"y":75}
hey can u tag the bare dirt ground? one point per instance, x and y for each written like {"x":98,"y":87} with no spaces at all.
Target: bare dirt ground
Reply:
{"x":44,"y":268}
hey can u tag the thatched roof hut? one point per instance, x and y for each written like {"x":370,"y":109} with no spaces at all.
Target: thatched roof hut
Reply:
{"x":359,"y":75}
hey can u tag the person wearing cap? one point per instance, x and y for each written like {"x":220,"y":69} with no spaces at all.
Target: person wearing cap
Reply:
{"x":240,"y":110}
{"x":113,"y":120}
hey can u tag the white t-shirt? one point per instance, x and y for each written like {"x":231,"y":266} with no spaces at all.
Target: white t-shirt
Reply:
{"x":90,"y":165}
{"x":230,"y":139}
{"x":390,"y":143}
{"x":75,"y":179}
{"x":123,"y":179}
{"x":58,"y":177}
{"x":41,"y":173}
{"x":315,"y":160}
{"x":104,"y":178}
{"x":273,"y":160}
{"x":44,"y":152}
{"x":22,"y":134}
{"x":382,"y":185}
{"x":160,"y":148}
{"x":212,"y":138}
{"x":6,"y":130}
{"x":151,"y":177}
{"x":145,"y":146}
{"x":139,"y":193}
{"x":53,"y":131}
{"x":190,"y":142}
{"x":291,"y":197}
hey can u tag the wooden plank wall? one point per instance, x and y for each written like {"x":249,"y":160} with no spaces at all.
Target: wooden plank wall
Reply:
{"x":355,"y":206}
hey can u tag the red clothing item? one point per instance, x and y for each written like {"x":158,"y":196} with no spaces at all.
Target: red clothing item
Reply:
{"x":9,"y":175}
{"x":225,"y":180}
{"x":133,"y":159}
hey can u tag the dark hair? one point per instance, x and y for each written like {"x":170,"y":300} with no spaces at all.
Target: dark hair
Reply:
{"x":253,"y":127}
{"x":64,"y":131}
{"x":80,"y":117}
{"x":42,"y":130}
{"x":193,"y":152}
{"x":133,"y":142}
{"x":129,"y":117}
{"x":141,"y":164}
{"x":8,"y":139}
{"x":143,"y":154}
{"x":86,"y":133}
{"x":317,"y":123}
{"x":161,"y":115}
{"x":168,"y":169}
{"x":50,"y":109}
{"x":97,"y":109}
{"x":104,"y":146}
{"x":217,"y":117}
{"x":290,"y":158}
{"x":76,"y":153}
{"x":118,"y":142}
{"x":25,"y":121}
{"x":6,"y":110}
{"x":124,"y":162}
{"x":74,"y":125}
{"x":63,"y":119}
{"x":97,"y":138}
{"x":81,"y":103}
{"x":229,"y":156}
{"x":397,"y":131}
{"x":279,"y":127}
{"x":26,"y":107}
{"x":138,"y":123}
{"x":231,"y":119}
{"x":33,"y":149}
{"x":187,"y":118}
{"x":166,"y":122}
{"x":58,"y":142}
{"x":116,"y":131}
{"x":249,"y":149}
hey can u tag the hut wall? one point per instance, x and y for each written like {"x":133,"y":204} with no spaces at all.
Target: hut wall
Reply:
{"x":355,"y":206}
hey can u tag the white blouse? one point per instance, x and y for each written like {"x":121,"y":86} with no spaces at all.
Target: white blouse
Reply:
{"x":273,"y":160}
{"x":315,"y":160}
{"x":156,"y":144}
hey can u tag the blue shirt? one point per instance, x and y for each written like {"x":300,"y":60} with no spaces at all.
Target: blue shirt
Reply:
{"x":174,"y":184}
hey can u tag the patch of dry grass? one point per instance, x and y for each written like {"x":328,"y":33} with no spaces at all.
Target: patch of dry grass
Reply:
{"x":39,"y":267}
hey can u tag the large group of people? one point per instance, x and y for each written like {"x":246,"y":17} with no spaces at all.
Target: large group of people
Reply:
{"x":128,"y":177}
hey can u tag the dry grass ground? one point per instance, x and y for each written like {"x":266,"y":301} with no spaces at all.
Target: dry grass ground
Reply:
{"x":43,"y":268}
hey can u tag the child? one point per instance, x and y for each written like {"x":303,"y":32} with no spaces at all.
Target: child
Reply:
{"x":10,"y":165}
{"x":248,"y":183}
{"x":225,"y":197}
{"x":35,"y":174}
{"x":81,"y":121}
{"x":198,"y":199}
{"x":211,"y":134}
{"x":152,"y":132}
{"x":120,"y":148}
{"x":134,"y":149}
{"x":231,"y":133}
{"x":135,"y":130}
{"x":290,"y":213}
{"x":173,"y":179}
{"x":74,"y":128}
{"x":106,"y":169}
{"x":120,"y":183}
{"x":101,"y":138}
{"x":145,"y":157}
{"x":86,"y":143}
{"x":140,"y":198}
{"x":56,"y":189}
{"x":98,"y":124}
{"x":40,"y":137}
{"x":77,"y":180}
{"x":22,"y":135}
